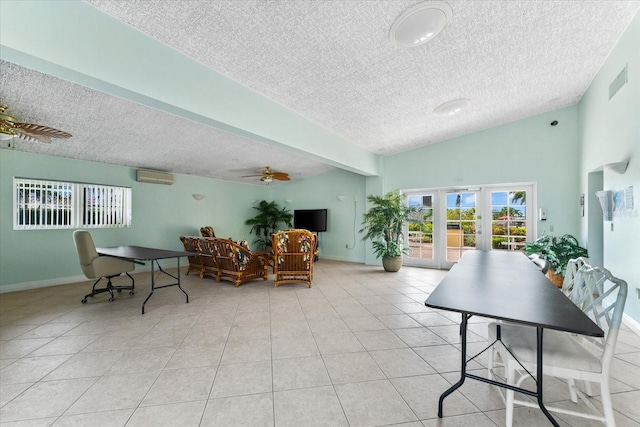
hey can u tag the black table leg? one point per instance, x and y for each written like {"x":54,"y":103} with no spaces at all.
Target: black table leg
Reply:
{"x":180,"y":287}
{"x":463,"y":365}
{"x":153,"y":285}
{"x":153,"y":281}
{"x":539,"y":378}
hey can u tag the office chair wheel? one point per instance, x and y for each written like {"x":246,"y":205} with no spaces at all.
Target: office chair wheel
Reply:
{"x":119,"y":290}
{"x":83,"y":300}
{"x":110,"y":299}
{"x":130,"y":292}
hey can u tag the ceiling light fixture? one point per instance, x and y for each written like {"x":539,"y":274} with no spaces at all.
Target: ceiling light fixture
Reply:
{"x":421,"y":23}
{"x":452,"y":107}
{"x":6,"y":136}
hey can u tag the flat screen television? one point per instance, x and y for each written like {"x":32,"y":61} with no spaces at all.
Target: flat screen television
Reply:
{"x":310,"y":219}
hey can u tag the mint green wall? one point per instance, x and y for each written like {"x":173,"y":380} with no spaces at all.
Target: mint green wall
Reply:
{"x":529,"y":150}
{"x":609,"y":132}
{"x":344,"y":218}
{"x":161,"y":213}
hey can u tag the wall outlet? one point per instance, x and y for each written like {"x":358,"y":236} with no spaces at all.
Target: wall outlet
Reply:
{"x":346,"y":245}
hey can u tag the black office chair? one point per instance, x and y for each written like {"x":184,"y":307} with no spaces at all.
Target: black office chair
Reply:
{"x":98,"y":267}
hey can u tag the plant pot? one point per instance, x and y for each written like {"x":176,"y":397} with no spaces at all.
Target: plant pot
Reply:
{"x":391,"y":263}
{"x":556,"y":279}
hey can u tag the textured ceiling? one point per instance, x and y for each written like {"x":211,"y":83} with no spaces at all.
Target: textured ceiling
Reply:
{"x":112,"y":130}
{"x":332,"y":62}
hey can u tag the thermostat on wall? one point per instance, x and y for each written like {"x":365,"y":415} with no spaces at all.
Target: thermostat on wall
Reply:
{"x":542,"y":214}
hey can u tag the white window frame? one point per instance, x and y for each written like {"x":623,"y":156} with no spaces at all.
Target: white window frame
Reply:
{"x":56,"y":205}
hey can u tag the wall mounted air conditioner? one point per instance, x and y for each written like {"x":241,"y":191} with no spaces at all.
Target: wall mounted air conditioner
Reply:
{"x":154,"y":177}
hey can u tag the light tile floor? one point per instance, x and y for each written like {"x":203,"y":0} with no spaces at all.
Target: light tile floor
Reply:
{"x":357,"y":349}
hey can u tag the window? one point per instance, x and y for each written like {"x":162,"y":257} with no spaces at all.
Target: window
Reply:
{"x":39,"y":205}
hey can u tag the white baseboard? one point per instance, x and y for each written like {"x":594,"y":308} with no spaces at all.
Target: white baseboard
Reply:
{"x":25,"y":286}
{"x":337,"y":258}
{"x":632,"y":324}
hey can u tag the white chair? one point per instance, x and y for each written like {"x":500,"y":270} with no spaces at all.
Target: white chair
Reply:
{"x":568,"y":285}
{"x":565,"y":355}
{"x":98,"y":267}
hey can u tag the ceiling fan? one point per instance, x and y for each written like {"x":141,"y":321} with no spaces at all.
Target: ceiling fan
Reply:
{"x":267,"y":175}
{"x":11,"y":128}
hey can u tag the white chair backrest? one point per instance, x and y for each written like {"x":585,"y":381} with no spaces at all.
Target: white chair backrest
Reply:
{"x":568,"y":285}
{"x":602,"y":297}
{"x":85,"y":247}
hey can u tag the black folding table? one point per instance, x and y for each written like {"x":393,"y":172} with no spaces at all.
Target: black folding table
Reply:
{"x":507,"y":286}
{"x":139,"y":254}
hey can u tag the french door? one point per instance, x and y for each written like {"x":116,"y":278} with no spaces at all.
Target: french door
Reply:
{"x":450,"y":222}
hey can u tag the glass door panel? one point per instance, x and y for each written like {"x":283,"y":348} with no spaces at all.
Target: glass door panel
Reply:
{"x":508,"y":219}
{"x":420,"y":235}
{"x":460,"y":224}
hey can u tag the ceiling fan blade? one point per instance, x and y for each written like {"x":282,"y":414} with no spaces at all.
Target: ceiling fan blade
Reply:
{"x":35,"y":129}
{"x":267,"y":175}
{"x":28,"y":136}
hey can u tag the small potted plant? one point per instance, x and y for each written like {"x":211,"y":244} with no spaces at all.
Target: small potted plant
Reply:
{"x":383,"y":224}
{"x":558,"y":251}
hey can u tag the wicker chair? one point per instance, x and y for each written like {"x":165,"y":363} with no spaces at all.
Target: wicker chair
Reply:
{"x":235,"y":263}
{"x":207,"y":231}
{"x":208,"y":256}
{"x":192,"y":244}
{"x":293,"y":256}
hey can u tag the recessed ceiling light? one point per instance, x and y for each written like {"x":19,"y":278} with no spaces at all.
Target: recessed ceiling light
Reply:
{"x":420,"y":24}
{"x":452,"y":107}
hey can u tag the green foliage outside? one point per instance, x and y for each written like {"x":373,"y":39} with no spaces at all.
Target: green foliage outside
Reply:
{"x":426,"y":228}
{"x":507,"y":212}
{"x":458,"y":214}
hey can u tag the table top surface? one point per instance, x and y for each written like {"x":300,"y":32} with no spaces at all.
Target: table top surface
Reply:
{"x":508,"y":286}
{"x":141,"y":253}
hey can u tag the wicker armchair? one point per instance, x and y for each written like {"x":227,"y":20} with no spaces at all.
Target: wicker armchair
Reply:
{"x":209,"y":264}
{"x":192,"y":244}
{"x":235,"y":263}
{"x":207,"y":231}
{"x":293,"y":256}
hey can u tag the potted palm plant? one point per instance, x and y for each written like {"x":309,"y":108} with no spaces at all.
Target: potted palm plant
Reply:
{"x":558,"y":250}
{"x":267,"y":221}
{"x":383,"y":224}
